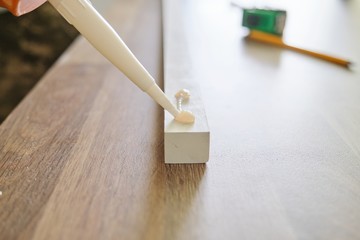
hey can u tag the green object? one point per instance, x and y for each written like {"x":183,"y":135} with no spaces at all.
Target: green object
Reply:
{"x":264,"y":20}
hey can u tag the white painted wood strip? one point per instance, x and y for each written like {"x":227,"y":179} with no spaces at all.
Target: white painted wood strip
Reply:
{"x":183,"y":143}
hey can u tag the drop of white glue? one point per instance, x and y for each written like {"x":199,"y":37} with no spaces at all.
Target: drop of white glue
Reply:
{"x":184,"y":116}
{"x":183,"y":93}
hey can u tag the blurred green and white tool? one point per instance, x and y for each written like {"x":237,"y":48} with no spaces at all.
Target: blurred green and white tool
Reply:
{"x":267,"y":26}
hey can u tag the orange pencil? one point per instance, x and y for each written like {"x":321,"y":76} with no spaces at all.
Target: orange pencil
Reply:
{"x":277,"y":41}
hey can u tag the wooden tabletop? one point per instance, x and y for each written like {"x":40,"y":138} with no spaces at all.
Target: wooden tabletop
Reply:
{"x":82,"y":156}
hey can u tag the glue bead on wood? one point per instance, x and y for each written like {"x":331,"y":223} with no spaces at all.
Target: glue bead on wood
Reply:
{"x":184,"y":116}
{"x":183,"y":93}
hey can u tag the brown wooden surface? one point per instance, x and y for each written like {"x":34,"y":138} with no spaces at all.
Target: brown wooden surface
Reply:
{"x":82,"y":156}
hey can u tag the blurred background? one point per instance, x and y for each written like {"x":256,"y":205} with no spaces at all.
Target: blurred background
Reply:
{"x":29,"y":45}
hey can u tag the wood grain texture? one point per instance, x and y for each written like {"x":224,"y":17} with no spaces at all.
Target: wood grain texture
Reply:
{"x":82,"y":156}
{"x":183,"y":143}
